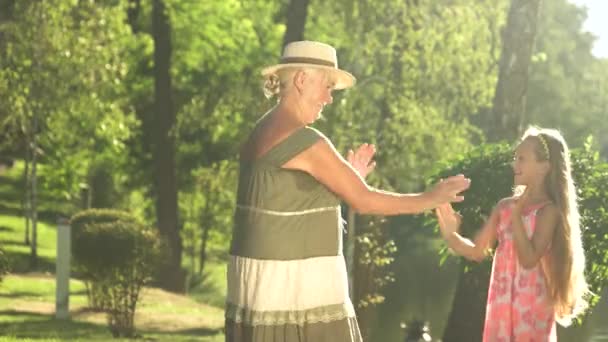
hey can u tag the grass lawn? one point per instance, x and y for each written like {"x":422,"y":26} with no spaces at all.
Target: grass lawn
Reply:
{"x":28,"y":305}
{"x":12,"y":241}
{"x":27,"y":300}
{"x":12,"y":193}
{"x":27,"y":295}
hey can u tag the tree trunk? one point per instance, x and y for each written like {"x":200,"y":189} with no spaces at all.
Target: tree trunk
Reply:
{"x":36,"y":110}
{"x":99,"y":193}
{"x":296,"y":21}
{"x":206,"y":224}
{"x":133,"y":10}
{"x":466,"y":320}
{"x":25,"y":199}
{"x":508,"y":114}
{"x":34,"y":193}
{"x":192,"y":238}
{"x":172,"y":275}
{"x":203,"y":250}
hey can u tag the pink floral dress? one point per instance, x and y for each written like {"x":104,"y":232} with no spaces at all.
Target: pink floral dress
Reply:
{"x":518,"y":308}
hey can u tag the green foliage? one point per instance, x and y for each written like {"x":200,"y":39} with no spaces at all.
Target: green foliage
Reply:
{"x":208,"y":210}
{"x":591,"y":177}
{"x":216,"y":70}
{"x":63,"y":65}
{"x":492,"y":179}
{"x":567,"y":84}
{"x":81,"y":220}
{"x":489,"y":168}
{"x":417,"y":88}
{"x":375,"y":253}
{"x":118,"y":256}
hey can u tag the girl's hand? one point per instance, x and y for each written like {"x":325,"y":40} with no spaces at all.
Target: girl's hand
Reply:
{"x":520,"y":202}
{"x":361,"y":160}
{"x":449,"y":220}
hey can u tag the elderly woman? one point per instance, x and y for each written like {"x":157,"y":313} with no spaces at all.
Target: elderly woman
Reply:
{"x":286,"y":275}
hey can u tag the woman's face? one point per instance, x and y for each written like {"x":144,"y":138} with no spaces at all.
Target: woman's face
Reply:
{"x":315,"y":92}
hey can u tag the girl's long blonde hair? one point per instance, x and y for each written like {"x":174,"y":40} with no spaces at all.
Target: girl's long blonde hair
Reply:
{"x":565,"y":268}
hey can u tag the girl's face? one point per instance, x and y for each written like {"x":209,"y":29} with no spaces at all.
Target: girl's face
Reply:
{"x":527,"y":169}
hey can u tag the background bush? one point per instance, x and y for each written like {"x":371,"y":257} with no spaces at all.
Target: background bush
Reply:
{"x":117,"y":256}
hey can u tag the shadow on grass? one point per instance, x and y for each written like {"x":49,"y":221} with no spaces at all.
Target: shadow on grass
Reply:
{"x":35,"y":294}
{"x":17,"y":294}
{"x":13,"y":243}
{"x":45,"y":214}
{"x":20,"y":262}
{"x":13,"y":181}
{"x":6,"y":229}
{"x":32,"y":325}
{"x":207,"y":289}
{"x":185,"y":332}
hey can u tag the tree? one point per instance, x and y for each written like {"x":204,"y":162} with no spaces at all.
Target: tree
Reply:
{"x":296,"y":21}
{"x":215,"y":91}
{"x":45,"y":114}
{"x":567,"y":85}
{"x":517,"y":46}
{"x":172,"y":276}
{"x":209,"y":210}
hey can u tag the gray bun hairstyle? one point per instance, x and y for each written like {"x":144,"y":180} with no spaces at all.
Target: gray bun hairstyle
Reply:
{"x":272,"y":85}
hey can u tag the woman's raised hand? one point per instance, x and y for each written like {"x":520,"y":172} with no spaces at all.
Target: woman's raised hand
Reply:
{"x":361,"y":159}
{"x":449,"y":189}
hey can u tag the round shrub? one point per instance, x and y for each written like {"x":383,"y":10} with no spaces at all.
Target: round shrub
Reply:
{"x":117,"y":255}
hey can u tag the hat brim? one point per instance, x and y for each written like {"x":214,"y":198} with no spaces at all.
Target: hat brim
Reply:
{"x":343,"y":78}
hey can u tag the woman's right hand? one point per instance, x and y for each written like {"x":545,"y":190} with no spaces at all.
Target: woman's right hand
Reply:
{"x":449,"y":220}
{"x":449,"y":189}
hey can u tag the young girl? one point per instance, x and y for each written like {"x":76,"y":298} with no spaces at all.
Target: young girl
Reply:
{"x":537,"y":274}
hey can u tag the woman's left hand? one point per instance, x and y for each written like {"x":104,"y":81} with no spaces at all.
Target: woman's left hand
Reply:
{"x":361,"y":160}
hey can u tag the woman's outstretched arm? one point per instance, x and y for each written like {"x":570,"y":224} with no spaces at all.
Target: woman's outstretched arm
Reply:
{"x":323,"y":162}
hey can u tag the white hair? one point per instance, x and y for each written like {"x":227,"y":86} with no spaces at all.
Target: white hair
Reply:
{"x":280,"y":81}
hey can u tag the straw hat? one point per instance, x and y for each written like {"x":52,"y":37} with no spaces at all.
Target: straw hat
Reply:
{"x":309,"y":54}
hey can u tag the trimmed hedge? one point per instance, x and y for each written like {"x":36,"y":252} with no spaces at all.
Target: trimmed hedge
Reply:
{"x":117,"y":255}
